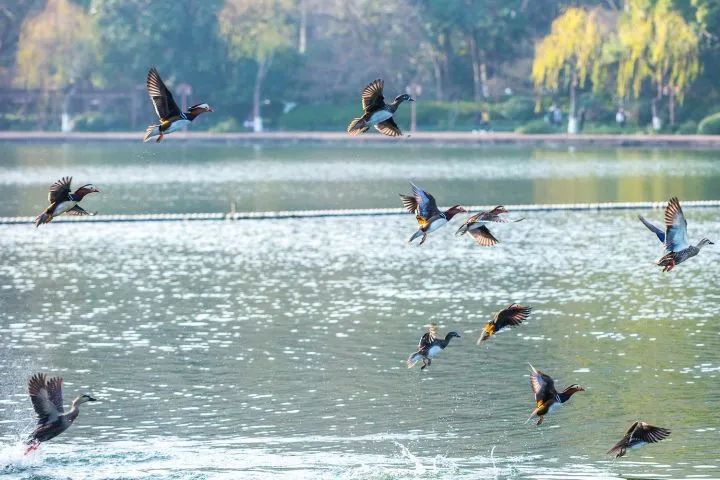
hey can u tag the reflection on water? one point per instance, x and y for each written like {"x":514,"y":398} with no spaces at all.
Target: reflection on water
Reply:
{"x":180,"y":177}
{"x":252,"y":348}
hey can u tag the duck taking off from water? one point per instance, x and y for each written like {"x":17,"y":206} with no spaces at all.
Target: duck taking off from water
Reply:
{"x":377,"y":113}
{"x":509,"y":317}
{"x":547,"y":398}
{"x":475,"y":225}
{"x":675,"y":238}
{"x":426,"y":211}
{"x":639,"y":434}
{"x":171,"y":118}
{"x":62,"y":201}
{"x":430,"y":346}
{"x":47,"y":400}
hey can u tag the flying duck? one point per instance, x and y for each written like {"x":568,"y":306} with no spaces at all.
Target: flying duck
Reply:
{"x":430,"y":346}
{"x":377,"y":113}
{"x":426,"y":211}
{"x":639,"y":434}
{"x":171,"y":118}
{"x":546,"y":397}
{"x":675,"y":238}
{"x":476,"y":225}
{"x":509,"y":317}
{"x":62,"y":201}
{"x":47,"y":400}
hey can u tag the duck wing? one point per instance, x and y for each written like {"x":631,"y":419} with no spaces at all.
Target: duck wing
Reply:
{"x":60,"y":190}
{"x":648,"y":434}
{"x":162,"y":99}
{"x":428,"y":338}
{"x":420,"y":203}
{"x":483,"y":236}
{"x":543,"y":385}
{"x":389,"y":128}
{"x":79,"y":211}
{"x":511,"y":316}
{"x":372,"y":96}
{"x":676,"y":238}
{"x":660,"y":234}
{"x":46,"y":397}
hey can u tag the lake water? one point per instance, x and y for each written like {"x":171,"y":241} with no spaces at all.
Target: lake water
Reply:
{"x":276,"y":348}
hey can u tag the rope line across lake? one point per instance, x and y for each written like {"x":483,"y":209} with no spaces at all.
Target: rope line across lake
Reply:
{"x":184,"y":217}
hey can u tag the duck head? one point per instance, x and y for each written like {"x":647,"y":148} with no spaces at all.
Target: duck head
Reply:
{"x":571,"y":390}
{"x":454,"y":210}
{"x":704,"y":242}
{"x":83,"y":399}
{"x":403,"y":98}
{"x":198,"y":109}
{"x":84,"y":190}
{"x":451,"y":335}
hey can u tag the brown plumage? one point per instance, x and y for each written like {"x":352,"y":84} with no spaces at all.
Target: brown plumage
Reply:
{"x":475,"y":225}
{"x":547,"y":397}
{"x":62,"y":201}
{"x":47,"y":400}
{"x":376,"y":112}
{"x":511,"y":316}
{"x":639,"y":434}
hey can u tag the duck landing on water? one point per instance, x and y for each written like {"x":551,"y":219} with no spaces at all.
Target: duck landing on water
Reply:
{"x":429,"y":347}
{"x":47,"y":400}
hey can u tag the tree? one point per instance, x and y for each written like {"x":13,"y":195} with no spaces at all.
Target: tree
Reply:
{"x":660,"y":47}
{"x":256,"y":29}
{"x":57,"y":48}
{"x":569,"y":55}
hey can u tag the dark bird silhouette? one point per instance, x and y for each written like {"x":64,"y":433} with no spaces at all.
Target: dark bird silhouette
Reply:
{"x":377,"y":113}
{"x":426,"y":211}
{"x":429,"y":347}
{"x":476,"y":225}
{"x":509,"y":317}
{"x":547,"y":398}
{"x":639,"y":434}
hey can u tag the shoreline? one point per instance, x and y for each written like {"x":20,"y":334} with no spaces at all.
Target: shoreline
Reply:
{"x":419,"y":138}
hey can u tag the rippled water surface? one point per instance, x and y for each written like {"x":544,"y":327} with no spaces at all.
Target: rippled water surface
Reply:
{"x":183,"y":177}
{"x":276,"y":348}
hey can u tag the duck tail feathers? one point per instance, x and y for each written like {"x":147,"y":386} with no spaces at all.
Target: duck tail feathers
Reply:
{"x":43,"y":218}
{"x":415,"y":235}
{"x":151,"y":131}
{"x":357,"y":126}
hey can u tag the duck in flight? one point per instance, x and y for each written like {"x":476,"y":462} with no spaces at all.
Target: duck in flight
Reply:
{"x":547,"y":398}
{"x":47,"y":400}
{"x":427,"y":213}
{"x":476,"y":225}
{"x":639,"y":434}
{"x":377,"y":113}
{"x":509,"y":317}
{"x":171,"y":118}
{"x":675,"y":237}
{"x":430,"y":345}
{"x":62,"y":201}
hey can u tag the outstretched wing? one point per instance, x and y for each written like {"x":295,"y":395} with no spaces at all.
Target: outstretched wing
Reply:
{"x":60,"y":190}
{"x":79,"y":211}
{"x":372,"y":96}
{"x":649,"y":434}
{"x":46,"y":397}
{"x":483,"y":236}
{"x":420,"y":203}
{"x":542,"y":385}
{"x":676,"y":238}
{"x":660,"y":234}
{"x":513,"y":315}
{"x":165,"y":105}
{"x":389,"y":128}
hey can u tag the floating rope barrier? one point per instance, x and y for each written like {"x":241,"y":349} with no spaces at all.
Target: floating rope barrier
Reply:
{"x":187,"y":217}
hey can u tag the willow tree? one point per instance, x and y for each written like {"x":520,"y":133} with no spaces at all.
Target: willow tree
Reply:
{"x":56,"y":47}
{"x":257,"y":29}
{"x":570,"y":55}
{"x":660,"y":47}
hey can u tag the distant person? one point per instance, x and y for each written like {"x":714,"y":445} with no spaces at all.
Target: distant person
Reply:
{"x":485,"y":121}
{"x":556,"y":115}
{"x":620,"y":117}
{"x":581,"y":119}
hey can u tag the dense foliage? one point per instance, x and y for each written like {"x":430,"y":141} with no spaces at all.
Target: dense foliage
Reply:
{"x":301,"y":63}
